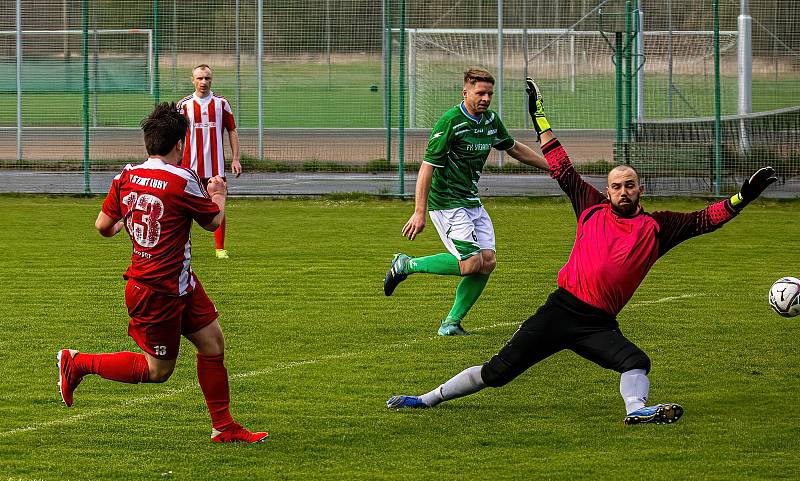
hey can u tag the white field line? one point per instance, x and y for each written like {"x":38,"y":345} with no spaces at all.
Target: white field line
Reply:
{"x":153,"y":397}
{"x":665,"y":299}
{"x":170,"y":392}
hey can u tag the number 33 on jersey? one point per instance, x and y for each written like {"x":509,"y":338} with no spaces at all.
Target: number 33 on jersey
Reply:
{"x":155,"y":199}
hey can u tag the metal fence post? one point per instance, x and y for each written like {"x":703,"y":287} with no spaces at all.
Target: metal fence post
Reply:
{"x":717,"y":104}
{"x":19,"y":79}
{"x":500,"y":79}
{"x":745,"y":74}
{"x":156,"y":86}
{"x":85,"y":52}
{"x":387,"y":77}
{"x":401,"y":100}
{"x":260,"y":76}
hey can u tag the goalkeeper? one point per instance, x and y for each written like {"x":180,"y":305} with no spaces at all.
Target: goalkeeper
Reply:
{"x":616,"y":244}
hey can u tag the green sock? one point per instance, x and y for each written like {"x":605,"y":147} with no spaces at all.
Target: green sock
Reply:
{"x":444,"y":264}
{"x":467,"y":292}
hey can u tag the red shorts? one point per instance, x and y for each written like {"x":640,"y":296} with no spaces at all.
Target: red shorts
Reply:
{"x":159,"y":320}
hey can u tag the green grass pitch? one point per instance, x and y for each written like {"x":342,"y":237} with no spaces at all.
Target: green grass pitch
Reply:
{"x":314,"y":349}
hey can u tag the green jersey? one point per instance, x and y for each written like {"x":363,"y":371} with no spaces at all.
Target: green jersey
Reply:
{"x":458,"y":148}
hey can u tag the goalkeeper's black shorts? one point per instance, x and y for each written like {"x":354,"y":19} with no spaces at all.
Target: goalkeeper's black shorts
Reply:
{"x":564,"y":322}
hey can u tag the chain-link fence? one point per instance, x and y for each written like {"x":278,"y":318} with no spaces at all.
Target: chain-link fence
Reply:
{"x":343,"y":85}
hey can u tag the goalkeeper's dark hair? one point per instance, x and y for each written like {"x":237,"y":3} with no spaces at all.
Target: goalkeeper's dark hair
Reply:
{"x":475,"y":75}
{"x":163,"y":129}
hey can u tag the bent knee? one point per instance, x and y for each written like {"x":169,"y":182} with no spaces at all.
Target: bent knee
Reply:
{"x":159,"y":375}
{"x":488,"y":265}
{"x":478,"y":264}
{"x":497,"y":372}
{"x":638,"y":360}
{"x":214,"y":347}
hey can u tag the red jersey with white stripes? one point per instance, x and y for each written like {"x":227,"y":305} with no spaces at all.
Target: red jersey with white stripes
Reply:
{"x":208,"y":118}
{"x":612,"y":254}
{"x":158,"y":202}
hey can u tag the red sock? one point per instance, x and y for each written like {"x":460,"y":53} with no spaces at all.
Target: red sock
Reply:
{"x":127,"y":367}
{"x":213,"y":378}
{"x":219,"y":235}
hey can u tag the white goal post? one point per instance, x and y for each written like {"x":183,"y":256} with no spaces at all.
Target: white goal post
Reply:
{"x":564,"y":50}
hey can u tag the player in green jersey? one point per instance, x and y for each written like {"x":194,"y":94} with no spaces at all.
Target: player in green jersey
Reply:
{"x":447,"y":187}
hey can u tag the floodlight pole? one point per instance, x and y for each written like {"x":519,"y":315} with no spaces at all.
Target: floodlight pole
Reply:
{"x":745,"y":73}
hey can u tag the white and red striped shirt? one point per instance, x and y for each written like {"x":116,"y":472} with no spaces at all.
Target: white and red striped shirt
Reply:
{"x":203,"y":148}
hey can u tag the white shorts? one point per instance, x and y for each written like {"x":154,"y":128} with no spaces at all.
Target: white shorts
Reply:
{"x":464,"y":231}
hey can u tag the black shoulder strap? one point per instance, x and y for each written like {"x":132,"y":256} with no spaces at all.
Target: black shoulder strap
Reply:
{"x":592,"y":211}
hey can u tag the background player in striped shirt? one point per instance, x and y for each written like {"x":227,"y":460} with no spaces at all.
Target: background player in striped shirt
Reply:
{"x":208,"y":115}
{"x":616,"y":244}
{"x":447,"y":187}
{"x":156,"y":203}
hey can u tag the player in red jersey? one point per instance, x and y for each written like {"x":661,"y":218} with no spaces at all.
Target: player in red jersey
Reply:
{"x":616,"y":244}
{"x":209,"y":115}
{"x":156,"y":202}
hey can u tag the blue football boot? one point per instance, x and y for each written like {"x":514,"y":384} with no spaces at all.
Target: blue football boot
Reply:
{"x":399,"y":402}
{"x":659,"y":414}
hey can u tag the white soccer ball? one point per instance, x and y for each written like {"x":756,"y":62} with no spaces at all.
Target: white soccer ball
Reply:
{"x":784,"y":296}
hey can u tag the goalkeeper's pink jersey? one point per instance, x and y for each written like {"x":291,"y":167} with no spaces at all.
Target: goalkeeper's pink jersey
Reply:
{"x":612,"y":254}
{"x":158,"y":202}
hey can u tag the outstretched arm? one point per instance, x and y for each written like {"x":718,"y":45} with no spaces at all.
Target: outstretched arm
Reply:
{"x":580,"y":193}
{"x":677,"y":227}
{"x":526,"y":155}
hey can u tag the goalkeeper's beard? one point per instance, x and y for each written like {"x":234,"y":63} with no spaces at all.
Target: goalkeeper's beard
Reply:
{"x":626,"y":210}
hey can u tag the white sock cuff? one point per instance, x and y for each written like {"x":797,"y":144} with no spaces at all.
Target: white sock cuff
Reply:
{"x":462,"y":384}
{"x":634,"y":386}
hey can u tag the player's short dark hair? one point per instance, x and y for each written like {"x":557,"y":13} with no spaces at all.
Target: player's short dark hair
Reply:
{"x":163,"y":129}
{"x":475,"y":75}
